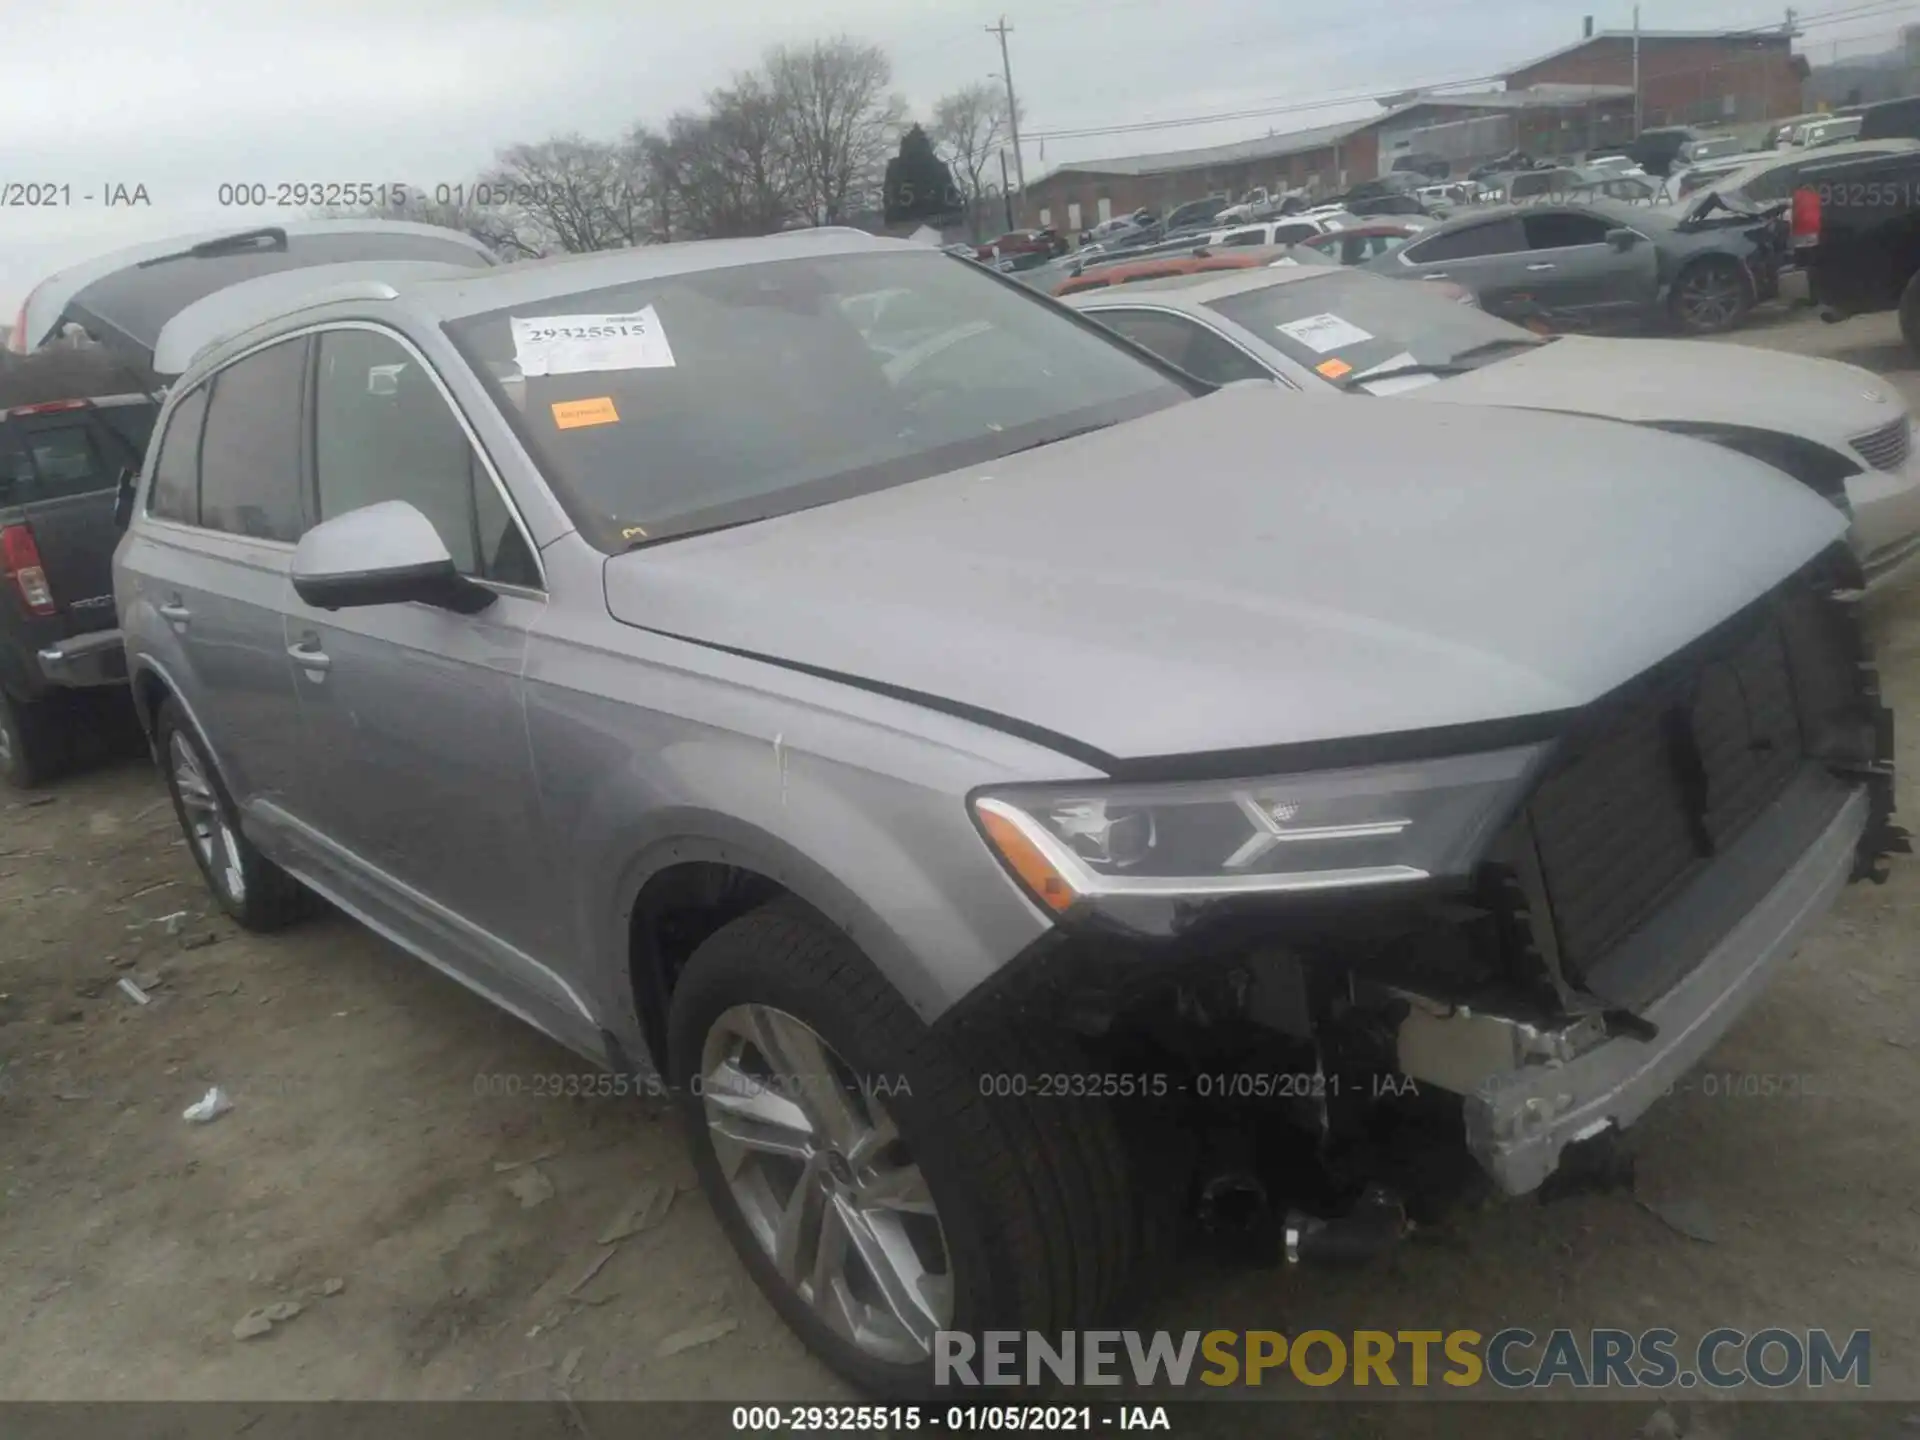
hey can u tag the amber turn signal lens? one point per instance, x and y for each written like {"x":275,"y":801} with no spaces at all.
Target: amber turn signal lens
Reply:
{"x":1020,"y":853}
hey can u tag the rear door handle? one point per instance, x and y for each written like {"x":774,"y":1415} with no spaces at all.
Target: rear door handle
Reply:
{"x":1542,"y":265}
{"x":308,"y":656}
{"x":1434,"y":275}
{"x":174,"y":613}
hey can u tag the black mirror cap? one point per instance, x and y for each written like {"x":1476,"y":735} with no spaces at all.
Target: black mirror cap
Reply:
{"x":1623,"y":238}
{"x":438,"y":584}
{"x":127,"y":483}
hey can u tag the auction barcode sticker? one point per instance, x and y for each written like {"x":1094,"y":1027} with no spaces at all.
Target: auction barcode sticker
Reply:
{"x":573,"y":344}
{"x":1321,"y":333}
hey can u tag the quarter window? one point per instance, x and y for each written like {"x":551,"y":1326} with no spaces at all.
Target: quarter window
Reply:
{"x":383,"y":431}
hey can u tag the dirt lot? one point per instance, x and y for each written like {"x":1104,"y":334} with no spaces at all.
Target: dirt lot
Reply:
{"x":442,"y":1235}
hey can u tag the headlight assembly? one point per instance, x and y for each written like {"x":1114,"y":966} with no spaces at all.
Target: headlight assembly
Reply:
{"x":1323,"y":830}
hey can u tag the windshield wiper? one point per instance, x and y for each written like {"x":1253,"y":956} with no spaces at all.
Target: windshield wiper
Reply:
{"x":1450,"y":366}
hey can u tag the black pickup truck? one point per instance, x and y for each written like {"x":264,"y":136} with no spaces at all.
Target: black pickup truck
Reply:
{"x":70,"y":422}
{"x":1856,"y":234}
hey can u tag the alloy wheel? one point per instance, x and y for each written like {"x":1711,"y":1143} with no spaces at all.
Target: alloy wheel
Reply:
{"x":1711,"y":297}
{"x":208,"y":831}
{"x":825,"y":1183}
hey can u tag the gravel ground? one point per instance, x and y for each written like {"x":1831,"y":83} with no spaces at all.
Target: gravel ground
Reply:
{"x":388,"y":1169}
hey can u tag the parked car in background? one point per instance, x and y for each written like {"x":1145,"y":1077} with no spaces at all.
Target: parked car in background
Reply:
{"x":1432,"y":167}
{"x":71,"y":421}
{"x":1196,"y":213}
{"x":1779,"y":134}
{"x":1200,"y":262}
{"x":1818,"y":134}
{"x":1658,"y":150}
{"x":1624,"y":187}
{"x":1294,"y":231}
{"x":851,"y":746}
{"x":1888,"y":119}
{"x":1596,"y":265}
{"x":1526,"y":187}
{"x":1771,"y":179}
{"x":1856,"y":236}
{"x":1367,"y":239}
{"x":122,"y":298}
{"x":1837,"y":429}
{"x":1045,"y":242}
{"x":1140,"y":228}
{"x":1709,"y":147}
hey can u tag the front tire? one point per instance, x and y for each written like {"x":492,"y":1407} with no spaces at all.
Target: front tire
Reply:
{"x":255,"y":892}
{"x":874,"y":1181}
{"x":1711,"y":296}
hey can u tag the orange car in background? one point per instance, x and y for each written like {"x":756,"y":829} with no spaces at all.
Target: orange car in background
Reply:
{"x":1198,"y":263}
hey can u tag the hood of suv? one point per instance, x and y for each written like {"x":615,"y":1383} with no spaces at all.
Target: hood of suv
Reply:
{"x":1647,"y":380}
{"x":1254,"y":569}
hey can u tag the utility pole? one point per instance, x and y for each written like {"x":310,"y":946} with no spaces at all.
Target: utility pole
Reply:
{"x":1636,"y":71}
{"x":1005,"y":193}
{"x":1013,"y":109}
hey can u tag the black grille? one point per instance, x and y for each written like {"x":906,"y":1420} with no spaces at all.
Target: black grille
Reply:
{"x":1668,"y":779}
{"x":1885,"y":448}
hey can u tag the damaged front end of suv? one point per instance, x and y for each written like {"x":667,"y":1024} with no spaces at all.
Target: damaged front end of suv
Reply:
{"x":1392,"y":962}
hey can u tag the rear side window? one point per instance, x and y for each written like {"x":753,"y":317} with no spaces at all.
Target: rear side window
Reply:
{"x":1563,"y":230}
{"x":1501,"y":237}
{"x":176,"y":471}
{"x":250,"y":453}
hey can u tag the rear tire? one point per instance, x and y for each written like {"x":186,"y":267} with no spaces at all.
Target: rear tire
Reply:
{"x":1029,"y":1198}
{"x":254,"y":891}
{"x":33,"y":747}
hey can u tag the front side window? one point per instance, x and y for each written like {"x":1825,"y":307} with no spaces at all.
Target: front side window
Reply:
{"x":383,"y":431}
{"x":250,"y":449}
{"x":175,"y":494}
{"x":685,"y":402}
{"x":1563,"y":230}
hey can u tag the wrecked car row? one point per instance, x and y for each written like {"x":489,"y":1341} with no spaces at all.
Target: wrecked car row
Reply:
{"x":1028,"y":795}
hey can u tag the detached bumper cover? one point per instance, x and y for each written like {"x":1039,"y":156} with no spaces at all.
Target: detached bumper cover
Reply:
{"x":1519,"y":1121}
{"x":96,"y":658}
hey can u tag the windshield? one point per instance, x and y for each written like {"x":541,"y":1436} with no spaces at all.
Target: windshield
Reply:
{"x":695,"y":401}
{"x":1342,"y":323}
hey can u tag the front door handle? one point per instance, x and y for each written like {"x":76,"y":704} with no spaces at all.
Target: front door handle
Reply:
{"x":1541,"y":265}
{"x":1434,"y":275}
{"x":174,"y":613}
{"x":309,"y":656}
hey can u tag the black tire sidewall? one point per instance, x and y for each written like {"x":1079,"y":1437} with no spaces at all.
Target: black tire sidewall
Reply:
{"x":36,"y":749}
{"x":722,"y":976}
{"x":1910,"y":314}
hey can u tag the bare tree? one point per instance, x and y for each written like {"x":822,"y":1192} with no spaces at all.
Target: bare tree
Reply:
{"x":968,"y":127}
{"x":841,"y":122}
{"x":574,"y":194}
{"x":452,"y":208}
{"x":733,"y":169}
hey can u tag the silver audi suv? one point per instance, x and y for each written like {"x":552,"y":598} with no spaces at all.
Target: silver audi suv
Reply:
{"x":1023,"y":800}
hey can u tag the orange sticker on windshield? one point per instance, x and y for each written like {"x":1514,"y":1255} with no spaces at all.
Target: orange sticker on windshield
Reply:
{"x":572,"y":414}
{"x":1332,"y":369}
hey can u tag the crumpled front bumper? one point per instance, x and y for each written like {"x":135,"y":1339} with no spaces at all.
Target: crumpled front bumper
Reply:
{"x":96,"y":658}
{"x":1521,"y":1119}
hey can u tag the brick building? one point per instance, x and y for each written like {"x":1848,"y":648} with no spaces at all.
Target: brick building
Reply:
{"x":1687,"y":77}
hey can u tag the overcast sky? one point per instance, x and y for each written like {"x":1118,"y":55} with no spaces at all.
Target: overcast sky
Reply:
{"x":182,"y":95}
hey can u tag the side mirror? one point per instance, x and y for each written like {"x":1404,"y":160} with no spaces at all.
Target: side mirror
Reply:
{"x":128,"y":482}
{"x":384,"y":554}
{"x":1623,"y":238}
